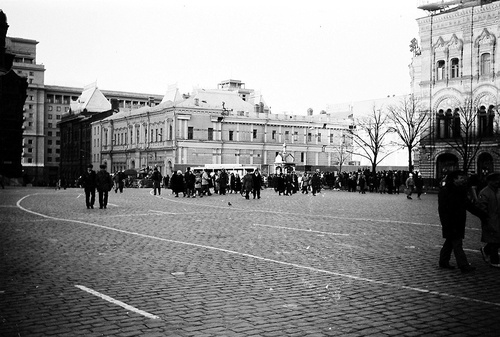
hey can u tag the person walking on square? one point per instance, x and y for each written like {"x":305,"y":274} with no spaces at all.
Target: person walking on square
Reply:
{"x":489,"y":202}
{"x":205,"y":183}
{"x":104,"y":184}
{"x":247,"y":185}
{"x":410,"y":185}
{"x":156,"y":177}
{"x":453,"y":205}
{"x":419,"y":185}
{"x":256,"y":184}
{"x":89,"y":184}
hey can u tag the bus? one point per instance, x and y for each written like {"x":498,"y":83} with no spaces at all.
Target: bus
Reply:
{"x":230,"y":168}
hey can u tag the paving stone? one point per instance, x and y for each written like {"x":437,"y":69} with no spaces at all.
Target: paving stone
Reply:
{"x":256,"y":269}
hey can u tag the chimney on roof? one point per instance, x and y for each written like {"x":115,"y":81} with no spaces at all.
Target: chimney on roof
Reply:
{"x":115,"y":105}
{"x":151,"y":101}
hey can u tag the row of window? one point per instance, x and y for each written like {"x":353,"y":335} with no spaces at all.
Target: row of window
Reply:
{"x":156,"y":135}
{"x":448,"y":124}
{"x":454,"y":67}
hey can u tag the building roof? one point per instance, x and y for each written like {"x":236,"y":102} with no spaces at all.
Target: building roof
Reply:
{"x":92,"y":100}
{"x":216,"y":99}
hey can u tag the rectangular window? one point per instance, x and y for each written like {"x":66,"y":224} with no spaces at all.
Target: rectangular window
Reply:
{"x":49,"y":125}
{"x":210,"y":133}
{"x":309,"y":137}
{"x":231,"y":133}
{"x":331,"y":139}
{"x":287,"y":136}
{"x":49,"y":141}
{"x":49,"y":133}
{"x":50,"y":108}
{"x":49,"y":150}
{"x":58,"y":108}
{"x":30,"y":141}
{"x":30,"y":160}
{"x":254,"y":133}
{"x":295,"y":136}
{"x":49,"y":159}
{"x":302,"y":157}
{"x":58,"y":116}
{"x":319,"y":137}
{"x":190,"y":132}
{"x":273,"y":135}
{"x":30,"y":150}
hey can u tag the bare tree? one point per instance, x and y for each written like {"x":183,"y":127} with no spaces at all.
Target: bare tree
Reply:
{"x":370,"y":137}
{"x":409,"y":121}
{"x":340,"y":153}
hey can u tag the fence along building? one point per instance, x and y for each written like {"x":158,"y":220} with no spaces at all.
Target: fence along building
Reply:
{"x":214,"y":126}
{"x":458,"y":61}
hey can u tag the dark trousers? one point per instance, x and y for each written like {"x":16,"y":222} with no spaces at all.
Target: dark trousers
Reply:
{"x":256,"y":193}
{"x":455,"y":245}
{"x":90,"y":197}
{"x":491,"y":249}
{"x":103,"y":199}
{"x":156,"y":186}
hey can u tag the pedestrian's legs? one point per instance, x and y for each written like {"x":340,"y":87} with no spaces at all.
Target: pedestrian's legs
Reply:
{"x":87,"y":197}
{"x":92,"y":198}
{"x":445,"y":253}
{"x":459,"y":253}
{"x":105,"y":199}
{"x":101,"y":199}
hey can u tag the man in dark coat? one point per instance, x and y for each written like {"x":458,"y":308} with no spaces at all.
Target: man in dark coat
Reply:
{"x":223,"y":182}
{"x":247,"y":185}
{"x":453,"y":204}
{"x":256,"y":183}
{"x":89,"y":184}
{"x":104,"y":184}
{"x":156,"y":177}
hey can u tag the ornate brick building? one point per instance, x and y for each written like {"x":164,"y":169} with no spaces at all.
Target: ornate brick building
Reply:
{"x":456,"y":72}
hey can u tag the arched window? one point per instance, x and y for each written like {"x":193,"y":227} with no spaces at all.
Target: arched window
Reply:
{"x":456,"y":124}
{"x":440,"y":124}
{"x":454,"y":68}
{"x":485,"y":64}
{"x":482,"y":122}
{"x":448,"y":123}
{"x":440,"y":70}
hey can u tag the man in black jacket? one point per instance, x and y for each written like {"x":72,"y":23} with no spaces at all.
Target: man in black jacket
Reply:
{"x":89,"y":184}
{"x":453,"y":204}
{"x":104,"y":184}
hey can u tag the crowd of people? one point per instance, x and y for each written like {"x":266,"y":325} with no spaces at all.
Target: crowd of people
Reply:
{"x":457,"y":194}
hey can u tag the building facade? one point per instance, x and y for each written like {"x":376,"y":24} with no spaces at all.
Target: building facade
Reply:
{"x":45,"y":107}
{"x":12,"y":98}
{"x":455,"y":70}
{"x":218,"y":126}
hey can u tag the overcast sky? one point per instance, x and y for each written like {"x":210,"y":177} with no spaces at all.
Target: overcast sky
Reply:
{"x":298,"y":54}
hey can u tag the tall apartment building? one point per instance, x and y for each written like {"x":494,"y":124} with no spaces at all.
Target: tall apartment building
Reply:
{"x":457,"y":64}
{"x":44,"y":108}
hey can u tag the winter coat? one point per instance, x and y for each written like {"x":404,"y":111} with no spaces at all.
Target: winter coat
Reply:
{"x":489,"y":203}
{"x":177,"y":183}
{"x":104,"y":182}
{"x":257,"y":181}
{"x":89,"y":180}
{"x":453,"y":205}
{"x":247,"y":184}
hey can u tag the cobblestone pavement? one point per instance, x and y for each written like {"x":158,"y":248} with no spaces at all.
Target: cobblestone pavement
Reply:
{"x":335,"y":264}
